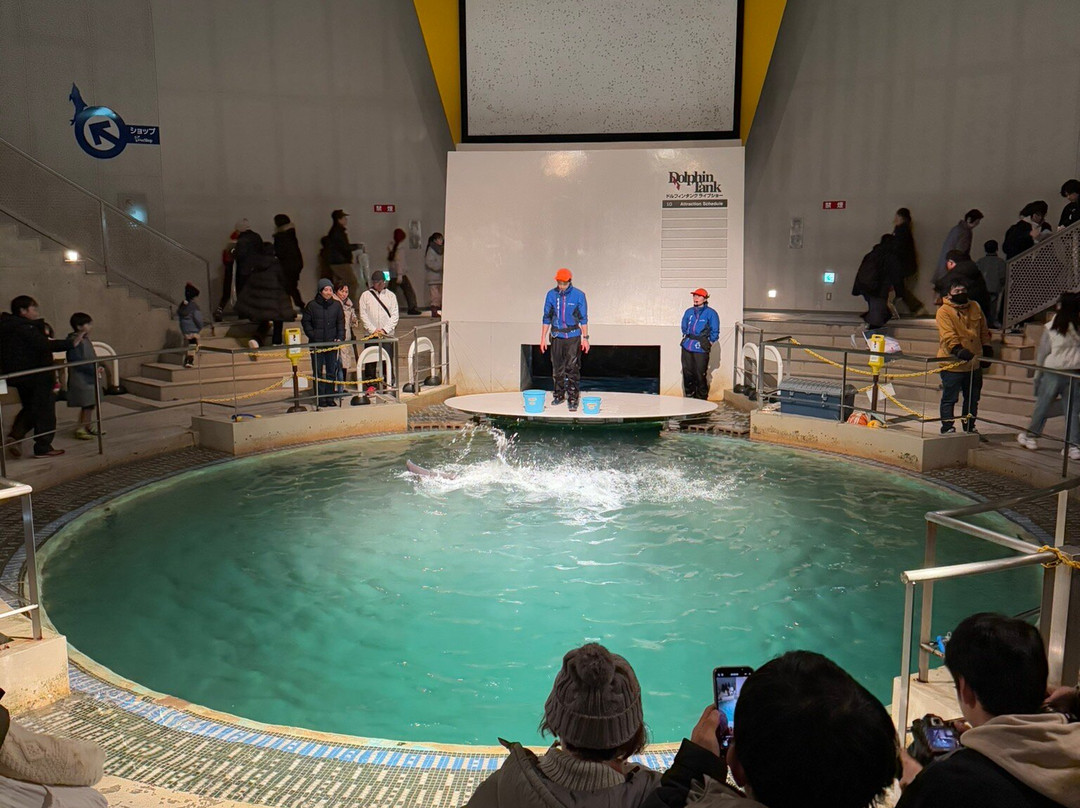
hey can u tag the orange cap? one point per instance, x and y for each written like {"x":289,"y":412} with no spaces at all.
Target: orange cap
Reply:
{"x":701,"y":292}
{"x":563,"y":274}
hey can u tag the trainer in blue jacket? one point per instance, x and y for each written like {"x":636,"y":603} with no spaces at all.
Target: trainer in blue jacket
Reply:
{"x":566,"y":318}
{"x":700,"y":329}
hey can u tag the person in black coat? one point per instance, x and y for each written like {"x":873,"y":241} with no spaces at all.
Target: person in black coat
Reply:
{"x":25,"y":345}
{"x":265,"y":297}
{"x":1032,"y":227}
{"x":903,"y":246}
{"x":337,"y":253}
{"x":878,"y":272}
{"x":961,"y":269}
{"x":287,"y":249}
{"x":247,"y":249}
{"x":324,"y":321}
{"x":1070,"y":214}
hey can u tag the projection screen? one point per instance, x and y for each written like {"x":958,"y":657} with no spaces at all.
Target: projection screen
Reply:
{"x":594,"y":70}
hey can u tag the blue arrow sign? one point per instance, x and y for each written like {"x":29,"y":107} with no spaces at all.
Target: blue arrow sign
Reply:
{"x":102,"y":133}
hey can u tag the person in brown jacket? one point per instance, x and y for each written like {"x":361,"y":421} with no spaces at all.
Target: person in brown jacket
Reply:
{"x":962,"y":333}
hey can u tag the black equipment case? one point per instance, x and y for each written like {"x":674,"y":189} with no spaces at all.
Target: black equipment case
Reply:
{"x":818,"y":398}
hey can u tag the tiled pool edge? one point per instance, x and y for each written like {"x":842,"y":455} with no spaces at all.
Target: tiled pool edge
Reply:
{"x":213,"y":754}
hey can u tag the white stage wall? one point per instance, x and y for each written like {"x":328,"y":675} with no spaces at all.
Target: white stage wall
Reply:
{"x":639,"y":228}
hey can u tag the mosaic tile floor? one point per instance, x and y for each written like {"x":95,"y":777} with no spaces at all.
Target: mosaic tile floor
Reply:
{"x":166,"y":745}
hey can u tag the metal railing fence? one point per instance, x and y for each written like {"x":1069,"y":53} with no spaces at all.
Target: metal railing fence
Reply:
{"x":130,"y":252}
{"x":1035,"y":278}
{"x":31,"y":601}
{"x":1057,"y":581}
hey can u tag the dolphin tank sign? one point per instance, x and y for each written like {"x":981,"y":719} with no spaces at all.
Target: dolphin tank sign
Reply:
{"x":102,"y":133}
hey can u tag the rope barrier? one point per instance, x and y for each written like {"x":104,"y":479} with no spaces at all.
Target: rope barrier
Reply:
{"x":1062,"y":557}
{"x":284,"y":383}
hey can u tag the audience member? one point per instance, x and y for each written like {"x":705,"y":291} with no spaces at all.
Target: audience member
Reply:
{"x":191,"y":322}
{"x":1031,"y":228}
{"x":45,"y":771}
{"x":1015,"y":755}
{"x":348,"y":352}
{"x":1059,"y":349}
{"x":324,"y":321}
{"x":228,"y":258}
{"x":379,"y":317}
{"x":992,"y":268}
{"x":878,"y":272}
{"x":399,"y":281}
{"x":84,"y":380}
{"x":959,"y":267}
{"x":247,"y":251}
{"x":806,"y":735}
{"x":265,"y":297}
{"x":594,"y":712}
{"x":337,"y":252}
{"x":25,"y":345}
{"x":287,"y":249}
{"x":962,"y":333}
{"x":1070,"y":214}
{"x":433,"y":263}
{"x":959,"y":238}
{"x":903,"y":245}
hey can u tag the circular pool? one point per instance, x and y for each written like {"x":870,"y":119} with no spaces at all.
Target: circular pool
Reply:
{"x":329,"y":588}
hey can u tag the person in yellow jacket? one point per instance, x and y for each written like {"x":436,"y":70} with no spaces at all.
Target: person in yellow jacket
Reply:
{"x":962,"y":333}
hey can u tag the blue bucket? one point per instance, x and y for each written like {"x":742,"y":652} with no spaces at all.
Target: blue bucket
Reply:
{"x":534,"y":401}
{"x":590,"y":405}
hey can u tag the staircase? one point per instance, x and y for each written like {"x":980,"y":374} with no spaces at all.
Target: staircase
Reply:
{"x":1007,"y":391}
{"x":125,"y":319}
{"x":219,"y":376}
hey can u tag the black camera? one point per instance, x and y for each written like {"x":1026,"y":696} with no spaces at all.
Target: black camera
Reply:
{"x":932,"y":738}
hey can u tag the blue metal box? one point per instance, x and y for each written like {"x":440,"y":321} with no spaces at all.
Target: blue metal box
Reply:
{"x":818,"y":398}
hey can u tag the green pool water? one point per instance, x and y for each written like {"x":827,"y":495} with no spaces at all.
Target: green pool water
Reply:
{"x":327,"y":588}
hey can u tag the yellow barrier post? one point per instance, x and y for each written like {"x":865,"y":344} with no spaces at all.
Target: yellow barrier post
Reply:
{"x":293,"y":351}
{"x":876,"y":362}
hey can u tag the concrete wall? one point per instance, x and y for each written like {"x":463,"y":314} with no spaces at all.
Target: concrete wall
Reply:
{"x":939,"y":107}
{"x":264,"y":106}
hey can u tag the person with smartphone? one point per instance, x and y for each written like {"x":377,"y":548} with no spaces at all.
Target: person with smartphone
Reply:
{"x":1020,"y":751}
{"x":594,"y":712}
{"x":805,"y":734}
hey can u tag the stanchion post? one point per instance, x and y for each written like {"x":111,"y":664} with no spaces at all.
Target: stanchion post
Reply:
{"x":294,"y":352}
{"x":97,"y":408}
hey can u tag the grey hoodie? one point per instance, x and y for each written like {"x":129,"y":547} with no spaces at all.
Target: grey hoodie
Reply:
{"x":1041,"y":751}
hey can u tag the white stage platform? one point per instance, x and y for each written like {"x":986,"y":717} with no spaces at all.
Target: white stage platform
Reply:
{"x":615,"y":408}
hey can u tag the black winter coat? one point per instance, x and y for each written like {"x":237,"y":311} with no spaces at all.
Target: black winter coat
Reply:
{"x":248,"y":248}
{"x":287,"y":249}
{"x":265,"y":295}
{"x":323,"y":320}
{"x":338,"y":248}
{"x":878,"y":272}
{"x":904,"y":249}
{"x":23,"y":344}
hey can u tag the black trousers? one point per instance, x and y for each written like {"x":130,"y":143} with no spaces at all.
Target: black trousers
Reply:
{"x":38,"y":410}
{"x":694,"y":369}
{"x":405,"y":287}
{"x":953,"y":384}
{"x":566,"y":368}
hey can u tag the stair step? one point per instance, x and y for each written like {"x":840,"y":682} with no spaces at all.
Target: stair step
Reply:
{"x":244,"y":368}
{"x":159,"y":390}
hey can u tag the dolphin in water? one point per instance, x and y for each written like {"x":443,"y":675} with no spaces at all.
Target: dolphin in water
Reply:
{"x":420,"y":471}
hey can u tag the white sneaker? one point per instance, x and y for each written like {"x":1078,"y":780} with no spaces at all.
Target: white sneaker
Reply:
{"x":1074,"y":452}
{"x":1027,"y":441}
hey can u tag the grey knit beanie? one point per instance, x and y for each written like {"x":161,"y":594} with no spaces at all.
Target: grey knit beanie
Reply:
{"x":595,"y":702}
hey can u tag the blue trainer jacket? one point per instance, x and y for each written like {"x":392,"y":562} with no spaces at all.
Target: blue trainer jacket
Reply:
{"x":700,"y":323}
{"x":566,"y":312}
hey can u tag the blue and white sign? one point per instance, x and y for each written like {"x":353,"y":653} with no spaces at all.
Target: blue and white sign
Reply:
{"x":102,"y":133}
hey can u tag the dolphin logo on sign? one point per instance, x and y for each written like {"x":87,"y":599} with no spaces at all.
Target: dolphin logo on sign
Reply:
{"x":102,"y":133}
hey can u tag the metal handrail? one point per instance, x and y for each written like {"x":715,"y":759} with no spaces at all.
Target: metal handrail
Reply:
{"x":161,"y":295}
{"x":9,"y":489}
{"x":1030,"y":555}
{"x":1045,"y":245}
{"x":444,"y":353}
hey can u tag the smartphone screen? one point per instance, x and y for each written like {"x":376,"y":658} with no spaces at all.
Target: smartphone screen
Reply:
{"x":727,"y":684}
{"x":941,"y":739}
